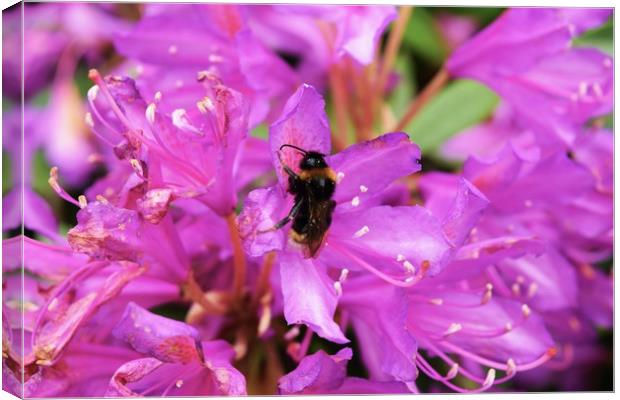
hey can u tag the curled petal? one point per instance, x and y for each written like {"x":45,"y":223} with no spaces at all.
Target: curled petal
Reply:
{"x":163,"y":338}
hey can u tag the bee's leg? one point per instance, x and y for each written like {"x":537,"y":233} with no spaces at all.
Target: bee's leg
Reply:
{"x":291,"y":215}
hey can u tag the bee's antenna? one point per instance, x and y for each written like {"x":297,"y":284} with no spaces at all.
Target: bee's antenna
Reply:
{"x":294,"y":147}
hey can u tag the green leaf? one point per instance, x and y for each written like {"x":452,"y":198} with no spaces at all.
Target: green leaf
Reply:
{"x":406,"y":88}
{"x":261,"y":131}
{"x":601,"y":38}
{"x":460,"y":105}
{"x":7,"y":178}
{"x":424,"y":38}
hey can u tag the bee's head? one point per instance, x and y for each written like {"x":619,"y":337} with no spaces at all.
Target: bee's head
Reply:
{"x":312,"y":160}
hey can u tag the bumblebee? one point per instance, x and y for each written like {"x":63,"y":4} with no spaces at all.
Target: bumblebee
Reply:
{"x":312,"y":210}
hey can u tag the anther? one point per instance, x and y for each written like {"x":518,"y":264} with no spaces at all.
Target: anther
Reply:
{"x":583,"y":89}
{"x":338,"y":287}
{"x":598,"y":91}
{"x":150,"y":113}
{"x":82,"y":201}
{"x":205,"y":105}
{"x":532,"y":289}
{"x":400,"y":258}
{"x":292,"y":333}
{"x":453,"y":328}
{"x":408,"y":266}
{"x":88,"y":119}
{"x":363,"y":189}
{"x":339,"y":177}
{"x":343,"y":275}
{"x":516,"y":289}
{"x":356,"y":201}
{"x":436,"y":301}
{"x":511,"y":367}
{"x":157,"y":97}
{"x":178,"y":383}
{"x":92,"y":92}
{"x":364,"y":230}
{"x":454,"y":370}
{"x":488,"y":293}
{"x":488,"y":381}
{"x":525,"y":310}
{"x":101,"y":199}
{"x":508,"y":327}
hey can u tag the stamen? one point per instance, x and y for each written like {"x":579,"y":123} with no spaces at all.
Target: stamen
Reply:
{"x":454,"y":370}
{"x":292,"y":333}
{"x":150,"y":113}
{"x":53,"y":182}
{"x":179,"y":383}
{"x":409,"y":267}
{"x":180,"y":120}
{"x":508,"y":327}
{"x":488,"y":293}
{"x":215,"y":58}
{"x":92,"y":93}
{"x":453,"y":328}
{"x":338,"y":287}
{"x":598,"y":91}
{"x":516,"y":289}
{"x":88,"y":119}
{"x":157,"y":96}
{"x":205,"y":105}
{"x":356,"y":201}
{"x":82,"y":201}
{"x":525,"y":309}
{"x":364,"y":230}
{"x":137,"y":167}
{"x":532,"y":289}
{"x":339,"y":177}
{"x":363,"y":189}
{"x":400,"y":258}
{"x":436,"y":301}
{"x":343,"y":275}
{"x":583,"y":89}
{"x":511,"y":367}
{"x":490,"y":378}
{"x":94,"y":75}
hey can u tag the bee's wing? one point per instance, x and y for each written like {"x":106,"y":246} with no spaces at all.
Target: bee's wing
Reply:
{"x":320,"y":220}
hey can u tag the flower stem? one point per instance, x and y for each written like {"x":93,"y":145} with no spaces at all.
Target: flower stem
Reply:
{"x":339,"y":93}
{"x":435,"y":85}
{"x":262,"y":286}
{"x":239,"y":262}
{"x":391,"y":50}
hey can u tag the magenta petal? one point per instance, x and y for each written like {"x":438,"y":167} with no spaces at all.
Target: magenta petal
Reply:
{"x":128,"y":373}
{"x":304,"y":124}
{"x":468,"y":205}
{"x":378,"y":312}
{"x":317,"y":373}
{"x":163,"y":338}
{"x":365,"y":169}
{"x":105,"y":231}
{"x":480,"y":329}
{"x":309,"y":296}
{"x":553,"y":275}
{"x":401,"y":238}
{"x":262,"y":210}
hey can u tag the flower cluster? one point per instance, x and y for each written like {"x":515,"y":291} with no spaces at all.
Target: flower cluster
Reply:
{"x":243,"y":210}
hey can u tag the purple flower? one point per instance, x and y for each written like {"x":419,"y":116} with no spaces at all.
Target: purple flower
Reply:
{"x":164,"y":40}
{"x":399,"y":244}
{"x":188,"y":156}
{"x":321,"y":373}
{"x":526,"y":57}
{"x":176,"y":363}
